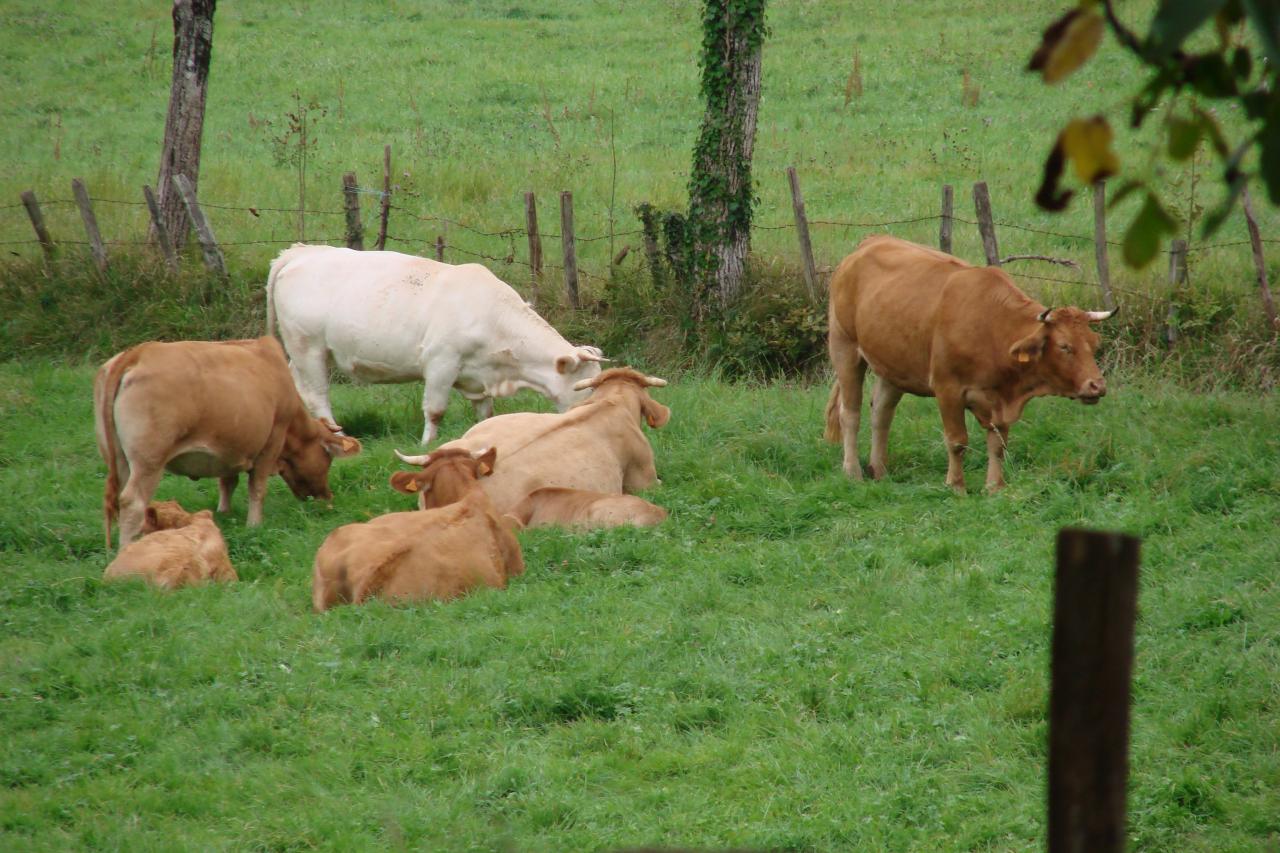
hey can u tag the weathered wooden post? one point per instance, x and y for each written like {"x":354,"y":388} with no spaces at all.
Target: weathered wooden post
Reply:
{"x":37,"y":222}
{"x":204,"y":232}
{"x":440,"y":248}
{"x":649,"y":227}
{"x":535,"y":245}
{"x":160,"y":229}
{"x":1259,"y":263}
{"x":351,"y":203}
{"x":1100,"y":242}
{"x":986,"y":224}
{"x":1177,"y":277}
{"x":945,"y":224}
{"x":1095,"y":603}
{"x":570,"y":254}
{"x":90,"y":224}
{"x":802,"y":233}
{"x":386,"y":199}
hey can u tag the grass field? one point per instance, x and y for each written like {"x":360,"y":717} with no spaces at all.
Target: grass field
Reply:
{"x":792,"y":661}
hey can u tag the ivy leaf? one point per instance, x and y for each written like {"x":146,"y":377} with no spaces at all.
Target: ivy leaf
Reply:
{"x":1087,"y":143}
{"x":1142,"y":240}
{"x":1175,"y":20}
{"x":1184,"y":138}
{"x":1068,"y":43}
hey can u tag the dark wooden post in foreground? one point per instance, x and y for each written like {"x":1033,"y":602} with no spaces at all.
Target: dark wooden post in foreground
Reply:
{"x":351,"y":203}
{"x":386,"y":199}
{"x":986,"y":225}
{"x":440,"y":248}
{"x":1095,"y":603}
{"x":160,"y":229}
{"x":944,"y":227}
{"x":37,"y":222}
{"x":90,"y":224}
{"x":1259,"y":262}
{"x":802,"y":233}
{"x":570,"y":252}
{"x":204,"y":232}
{"x":1100,"y":242}
{"x":535,"y":244}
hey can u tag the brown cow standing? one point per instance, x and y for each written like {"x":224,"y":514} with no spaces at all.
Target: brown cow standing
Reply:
{"x":930,"y":324}
{"x":580,"y":508}
{"x":177,"y":549}
{"x":454,"y":544}
{"x":205,"y":409}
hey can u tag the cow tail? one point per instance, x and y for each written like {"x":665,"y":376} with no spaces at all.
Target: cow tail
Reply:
{"x":111,"y":376}
{"x":833,"y":433}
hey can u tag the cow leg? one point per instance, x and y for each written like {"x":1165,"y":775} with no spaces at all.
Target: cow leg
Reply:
{"x":957,"y":437}
{"x":134,"y":498}
{"x":259,"y":476}
{"x":483,"y":407}
{"x":997,"y":440}
{"x":884,"y":402}
{"x":439,"y":377}
{"x":310,"y":369}
{"x":850,"y":373}
{"x":226,"y":486}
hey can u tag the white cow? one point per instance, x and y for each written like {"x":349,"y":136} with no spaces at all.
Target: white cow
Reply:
{"x":390,"y":317}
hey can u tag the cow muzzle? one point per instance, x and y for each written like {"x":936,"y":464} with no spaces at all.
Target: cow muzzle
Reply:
{"x":1092,"y":391}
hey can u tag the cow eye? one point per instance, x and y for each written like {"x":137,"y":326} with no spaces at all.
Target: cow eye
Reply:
{"x":1067,"y":348}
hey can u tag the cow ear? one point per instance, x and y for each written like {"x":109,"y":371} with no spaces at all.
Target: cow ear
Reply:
{"x":1029,"y":348}
{"x":566,"y":363}
{"x":407,"y":482}
{"x":654,"y":412}
{"x":484,"y":461}
{"x":339,"y":446}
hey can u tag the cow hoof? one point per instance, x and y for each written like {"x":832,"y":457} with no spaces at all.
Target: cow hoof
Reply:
{"x":854,"y":472}
{"x":878,"y":472}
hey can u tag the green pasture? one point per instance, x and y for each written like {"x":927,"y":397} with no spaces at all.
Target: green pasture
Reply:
{"x":793,"y":661}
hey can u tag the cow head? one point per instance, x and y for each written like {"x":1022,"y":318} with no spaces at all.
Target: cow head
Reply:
{"x":446,"y":477}
{"x":571,"y":370}
{"x":654,"y":413}
{"x":307,"y":455}
{"x":1060,"y":353}
{"x":168,"y":515}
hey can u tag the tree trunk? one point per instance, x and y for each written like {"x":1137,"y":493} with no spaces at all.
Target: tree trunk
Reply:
{"x":192,"y":46}
{"x":720,"y":188}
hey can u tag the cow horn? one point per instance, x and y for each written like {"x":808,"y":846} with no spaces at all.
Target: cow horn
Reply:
{"x":1044,"y":315}
{"x":584,"y":384}
{"x":1095,"y":316}
{"x":655,"y":382}
{"x":591,"y":354}
{"x":414,"y":460}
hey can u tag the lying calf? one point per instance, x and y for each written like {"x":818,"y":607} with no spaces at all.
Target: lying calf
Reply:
{"x":178,"y":548}
{"x":455,"y":543}
{"x":581,"y":508}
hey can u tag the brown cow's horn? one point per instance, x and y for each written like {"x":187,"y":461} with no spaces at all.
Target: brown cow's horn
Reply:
{"x":1044,"y":315}
{"x":414,"y":460}
{"x":1094,"y":316}
{"x":584,"y":384}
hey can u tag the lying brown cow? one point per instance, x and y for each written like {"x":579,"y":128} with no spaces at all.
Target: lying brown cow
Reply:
{"x":454,"y":544}
{"x":596,"y":446}
{"x":204,"y":409}
{"x":579,"y":508}
{"x":177,"y":549}
{"x":930,"y":324}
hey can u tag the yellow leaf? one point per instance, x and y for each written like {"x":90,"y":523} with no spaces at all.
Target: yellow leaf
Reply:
{"x":1087,"y":144}
{"x":1067,"y":44}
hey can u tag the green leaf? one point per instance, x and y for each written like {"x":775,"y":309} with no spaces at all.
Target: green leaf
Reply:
{"x":1265,"y":17}
{"x":1126,"y":189}
{"x":1142,"y":240}
{"x":1241,"y":63}
{"x":1184,"y":138}
{"x":1213,"y":219}
{"x":1068,"y":43}
{"x":1269,"y":151}
{"x":1177,"y":19}
{"x":1211,"y":130}
{"x":1210,"y":75}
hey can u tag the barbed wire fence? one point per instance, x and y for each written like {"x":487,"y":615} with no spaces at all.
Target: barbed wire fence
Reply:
{"x":453,"y":238}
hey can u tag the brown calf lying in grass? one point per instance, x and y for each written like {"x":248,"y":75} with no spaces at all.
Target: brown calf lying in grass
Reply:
{"x":177,"y":549}
{"x":456,"y":542}
{"x":581,"y":508}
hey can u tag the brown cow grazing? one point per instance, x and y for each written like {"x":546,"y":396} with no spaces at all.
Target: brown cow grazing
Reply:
{"x":178,"y":549}
{"x":454,"y":544}
{"x":596,"y":446}
{"x":204,"y":409}
{"x":930,"y":324}
{"x":579,"y":508}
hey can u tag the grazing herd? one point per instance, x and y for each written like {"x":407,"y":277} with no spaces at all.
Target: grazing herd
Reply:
{"x":924,"y":322}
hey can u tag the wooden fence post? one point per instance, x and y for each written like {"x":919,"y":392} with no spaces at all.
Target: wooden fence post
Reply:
{"x":90,"y":224}
{"x":351,"y":203}
{"x":1259,"y":262}
{"x":802,"y":233}
{"x":161,"y":230}
{"x":1100,"y":243}
{"x":535,"y":244}
{"x":1177,"y":277}
{"x":386,"y":199}
{"x":570,"y":255}
{"x":208,"y":245}
{"x":944,"y":227}
{"x":1095,"y":603}
{"x":650,"y":230}
{"x":37,"y":222}
{"x":986,"y":225}
{"x":440,"y":248}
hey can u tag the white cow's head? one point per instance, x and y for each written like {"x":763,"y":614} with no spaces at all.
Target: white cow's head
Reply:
{"x":571,"y":369}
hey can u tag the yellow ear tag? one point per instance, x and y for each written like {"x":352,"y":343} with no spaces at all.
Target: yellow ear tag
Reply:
{"x":411,"y":486}
{"x":1022,"y":356}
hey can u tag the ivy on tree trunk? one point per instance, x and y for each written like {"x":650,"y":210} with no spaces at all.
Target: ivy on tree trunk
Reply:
{"x":720,"y":189}
{"x":192,"y":48}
